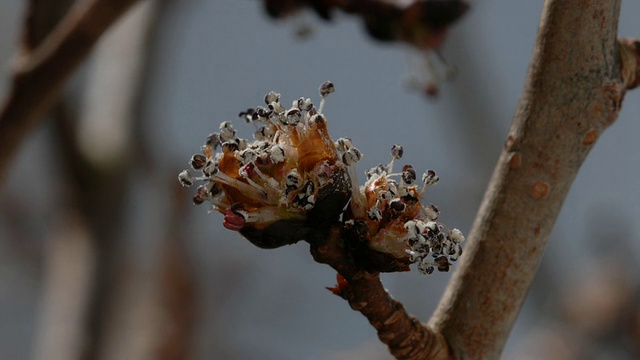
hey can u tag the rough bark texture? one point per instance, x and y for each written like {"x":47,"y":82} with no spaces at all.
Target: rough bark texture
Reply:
{"x":573,"y":92}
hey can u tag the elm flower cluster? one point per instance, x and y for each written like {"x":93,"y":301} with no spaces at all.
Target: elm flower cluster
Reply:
{"x":399,"y":224}
{"x":293,"y":181}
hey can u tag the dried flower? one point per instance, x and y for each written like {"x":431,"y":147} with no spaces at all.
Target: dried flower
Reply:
{"x":293,"y":181}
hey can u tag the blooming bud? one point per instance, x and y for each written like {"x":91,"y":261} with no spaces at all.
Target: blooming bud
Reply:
{"x":294,"y":182}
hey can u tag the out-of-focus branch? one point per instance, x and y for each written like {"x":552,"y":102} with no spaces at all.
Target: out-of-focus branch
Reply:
{"x":99,"y":184}
{"x":405,"y":336}
{"x":106,"y":127}
{"x":40,"y":18}
{"x":177,"y":289}
{"x":38,"y":75}
{"x":69,"y":267}
{"x":422,"y":23}
{"x":573,"y":93}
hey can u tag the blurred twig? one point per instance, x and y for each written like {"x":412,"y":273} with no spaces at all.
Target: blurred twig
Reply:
{"x":177,"y":288}
{"x":41,"y":17}
{"x":422,"y":23}
{"x":100,"y":181}
{"x":40,"y":72}
{"x":68,"y":270}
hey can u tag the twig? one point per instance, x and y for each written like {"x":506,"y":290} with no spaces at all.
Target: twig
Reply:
{"x":573,"y":93}
{"x":405,"y":336}
{"x":422,"y":23}
{"x":39,"y":75}
{"x":41,"y":17}
{"x":99,"y":186}
{"x":177,"y":295}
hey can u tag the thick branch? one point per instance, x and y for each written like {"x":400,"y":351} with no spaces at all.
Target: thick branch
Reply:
{"x":39,"y":75}
{"x":573,"y":92}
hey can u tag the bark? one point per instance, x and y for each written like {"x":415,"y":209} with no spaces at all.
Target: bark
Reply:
{"x":573,"y":93}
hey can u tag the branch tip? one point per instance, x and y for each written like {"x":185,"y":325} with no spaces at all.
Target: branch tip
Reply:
{"x":630,"y":66}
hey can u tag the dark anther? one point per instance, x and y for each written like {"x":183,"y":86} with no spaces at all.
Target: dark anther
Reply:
{"x":198,"y":161}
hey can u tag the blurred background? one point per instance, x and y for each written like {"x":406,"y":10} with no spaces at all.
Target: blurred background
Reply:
{"x":103,"y":256}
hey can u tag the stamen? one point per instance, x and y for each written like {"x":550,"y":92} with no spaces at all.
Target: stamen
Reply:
{"x":185,"y":178}
{"x":375,"y":213}
{"x":276,"y":154}
{"x":358,"y":201}
{"x":272,"y":96}
{"x":325,"y":89}
{"x":227,"y":132}
{"x":213,"y":140}
{"x":429,"y":178}
{"x":408,"y":174}
{"x":456,"y":235}
{"x":396,"y":153}
{"x":343,"y":144}
{"x":431,"y":212}
{"x":293,"y":116}
{"x":245,"y":188}
{"x":292,"y":181}
{"x":198,"y":161}
{"x":272,"y":192}
{"x":249,"y":115}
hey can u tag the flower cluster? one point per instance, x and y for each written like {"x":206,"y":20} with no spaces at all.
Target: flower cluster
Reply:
{"x":293,"y":180}
{"x":398,"y":224}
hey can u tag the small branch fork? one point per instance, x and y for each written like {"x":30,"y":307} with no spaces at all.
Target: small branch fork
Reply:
{"x":40,"y":72}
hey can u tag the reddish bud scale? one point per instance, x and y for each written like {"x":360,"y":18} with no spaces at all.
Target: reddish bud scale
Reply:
{"x":341,"y":287}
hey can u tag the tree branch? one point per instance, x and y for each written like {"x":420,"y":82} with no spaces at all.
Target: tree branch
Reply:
{"x":573,"y":93}
{"x":405,"y":336}
{"x":39,"y":75}
{"x":421,"y":23}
